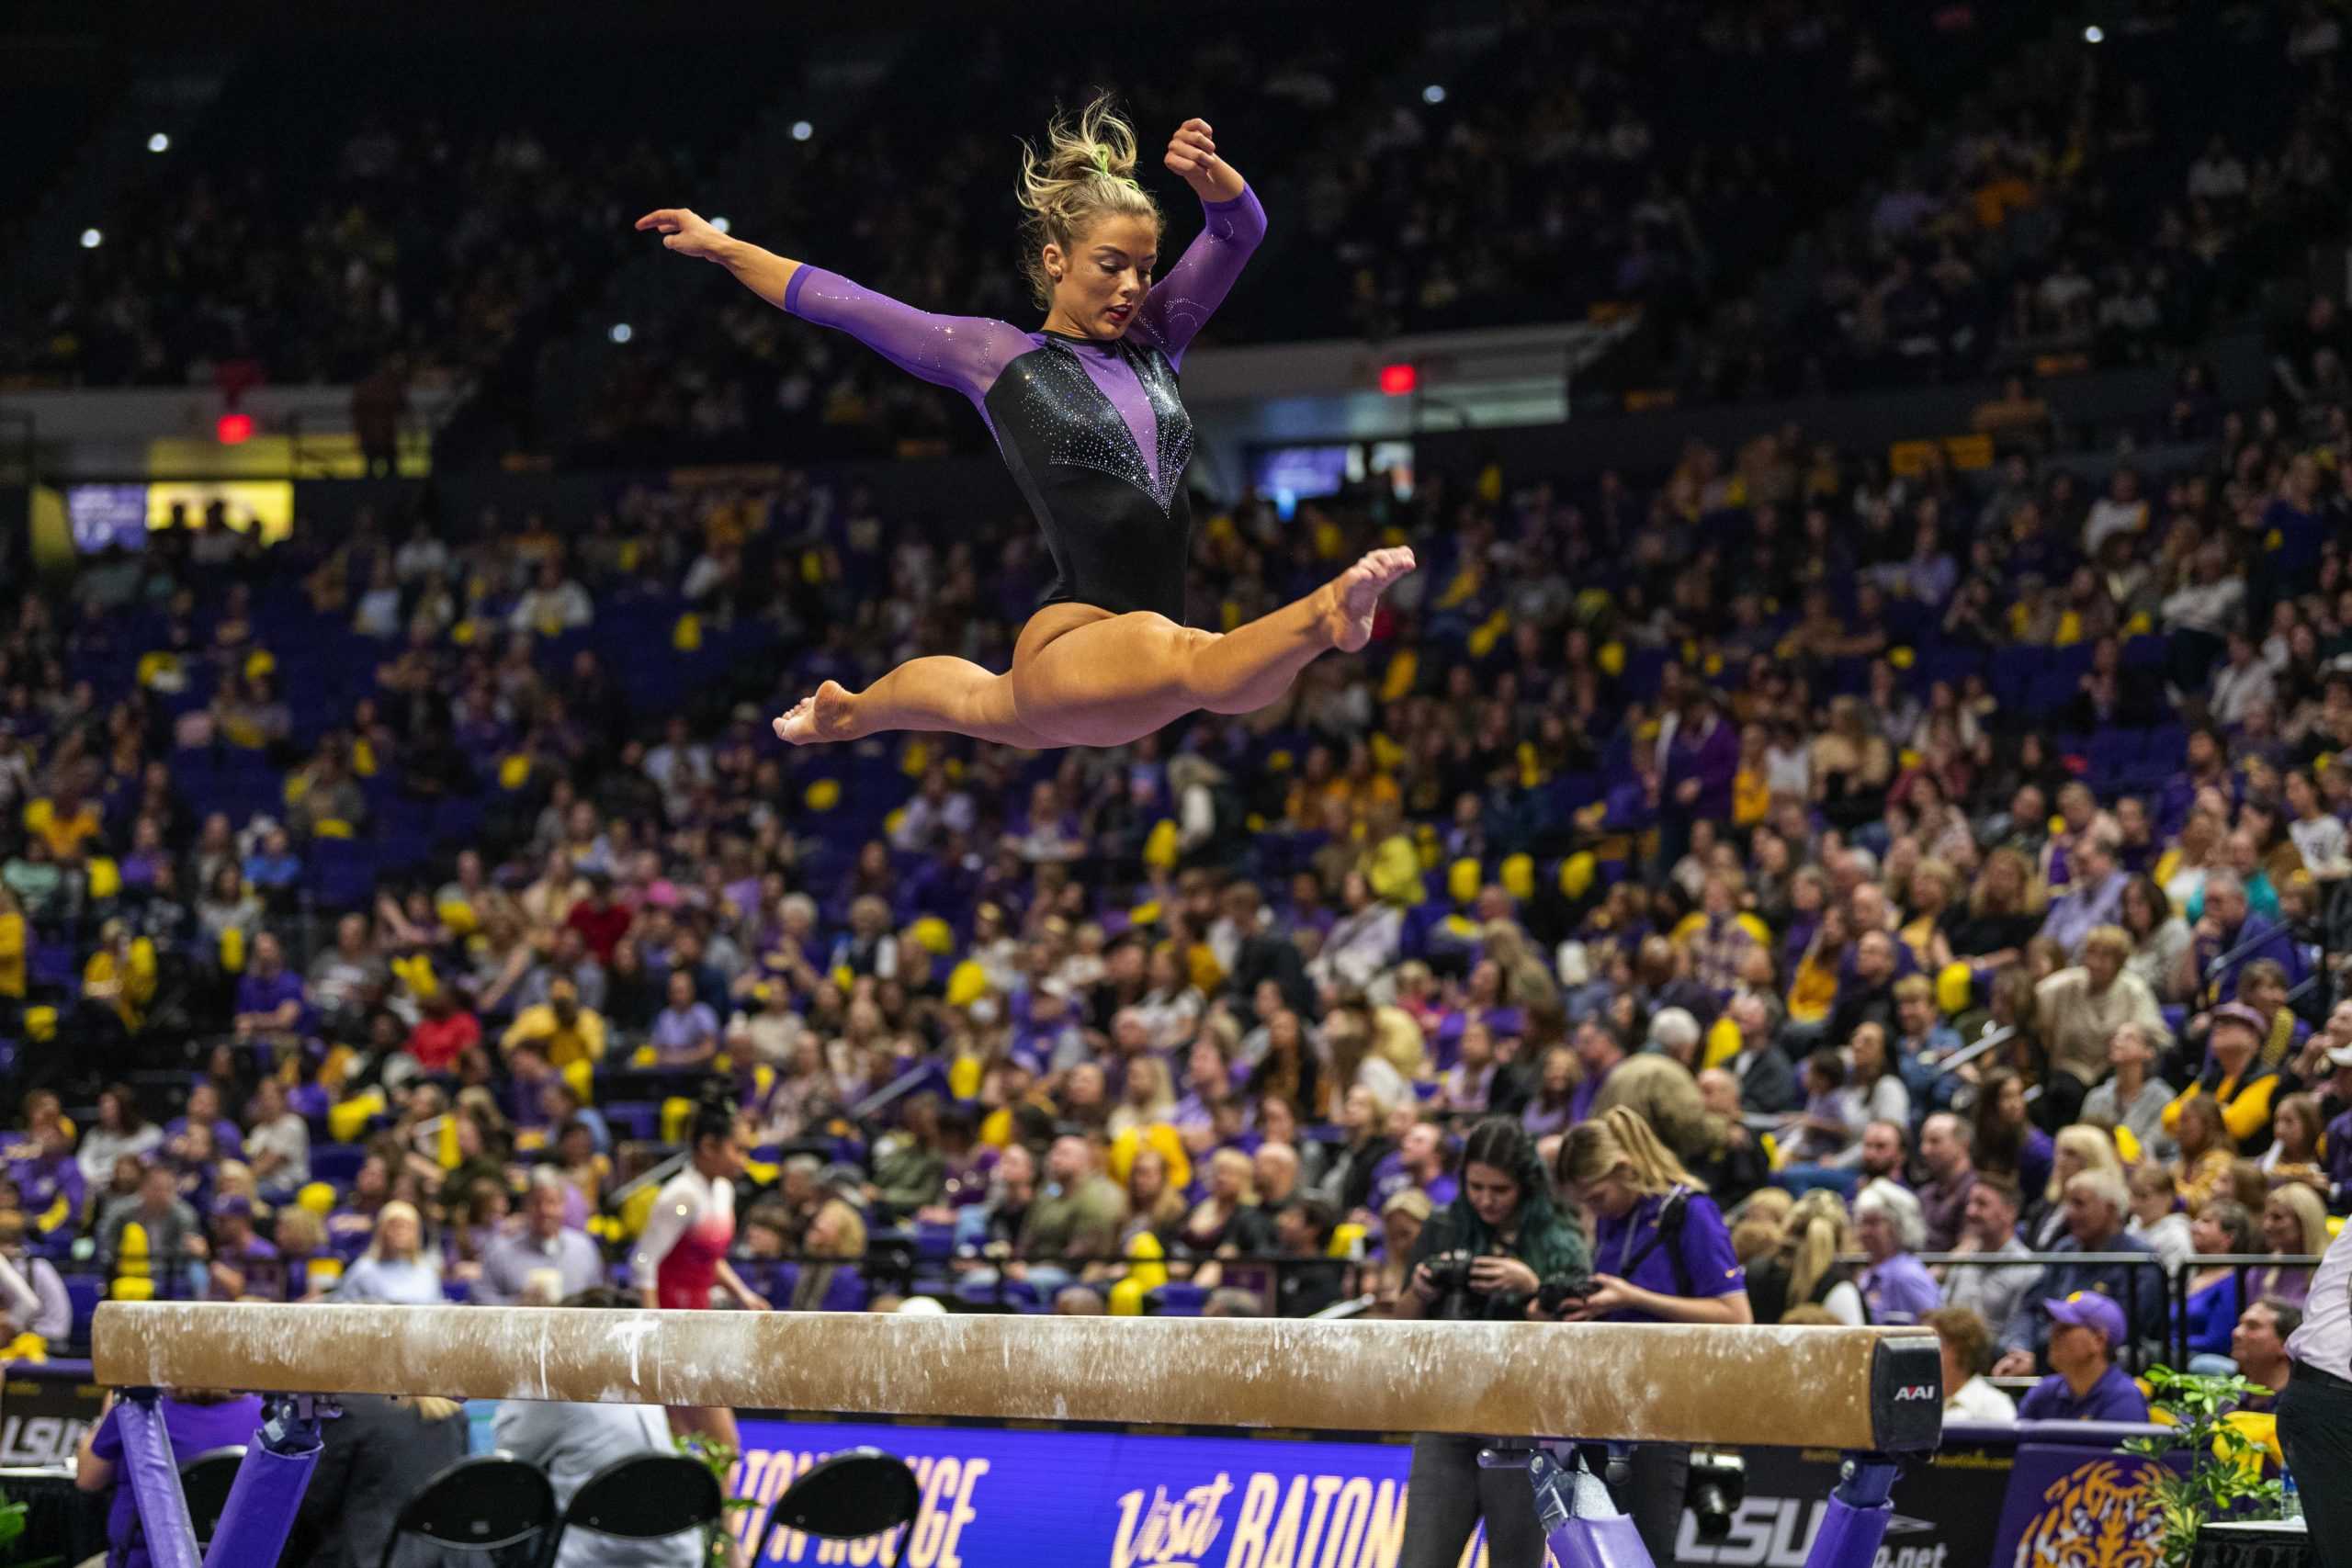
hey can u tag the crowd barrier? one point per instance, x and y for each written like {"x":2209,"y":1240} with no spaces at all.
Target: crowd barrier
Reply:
{"x":1034,"y":1496}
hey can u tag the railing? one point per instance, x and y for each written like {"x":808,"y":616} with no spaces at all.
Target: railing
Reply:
{"x":1975,"y":1050}
{"x":2173,"y":1284}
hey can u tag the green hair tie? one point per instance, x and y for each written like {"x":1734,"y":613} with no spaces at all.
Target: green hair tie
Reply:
{"x":1102,"y":160}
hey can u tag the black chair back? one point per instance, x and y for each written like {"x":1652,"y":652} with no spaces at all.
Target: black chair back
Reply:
{"x":479,"y":1503}
{"x":206,"y":1480}
{"x":642,"y":1498}
{"x":855,"y":1493}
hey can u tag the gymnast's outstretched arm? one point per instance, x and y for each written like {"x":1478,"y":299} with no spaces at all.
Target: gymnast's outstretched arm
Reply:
{"x":962,"y":352}
{"x":1232,"y":224}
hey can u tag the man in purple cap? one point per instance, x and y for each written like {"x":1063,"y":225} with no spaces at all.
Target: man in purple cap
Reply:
{"x":2086,"y":1385}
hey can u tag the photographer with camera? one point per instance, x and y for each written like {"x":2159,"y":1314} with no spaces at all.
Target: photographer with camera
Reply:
{"x":1488,"y":1255}
{"x":1661,"y":1254}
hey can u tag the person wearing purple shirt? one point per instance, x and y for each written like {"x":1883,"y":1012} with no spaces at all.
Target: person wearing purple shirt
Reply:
{"x":49,"y":1176}
{"x":1599,"y":1048}
{"x":194,"y":1426}
{"x":270,"y":999}
{"x":204,"y":1105}
{"x":1891,"y":1228}
{"x":1419,"y":1162}
{"x":685,"y":1033}
{"x":1661,"y":1253}
{"x":2084,"y":1385}
{"x":1702,"y":760}
{"x":1087,"y":415}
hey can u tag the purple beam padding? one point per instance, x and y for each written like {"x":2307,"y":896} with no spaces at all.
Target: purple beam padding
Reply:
{"x":262,"y":1502}
{"x":155,"y":1478}
{"x":1613,"y":1542}
{"x":1855,"y":1522}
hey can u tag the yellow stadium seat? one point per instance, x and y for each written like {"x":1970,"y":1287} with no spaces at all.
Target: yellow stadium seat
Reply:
{"x":966,"y":984}
{"x":964,"y":1075}
{"x":635,"y":1212}
{"x":1519,"y":875}
{"x":1146,"y":1269}
{"x":1576,"y":873}
{"x":1954,"y":987}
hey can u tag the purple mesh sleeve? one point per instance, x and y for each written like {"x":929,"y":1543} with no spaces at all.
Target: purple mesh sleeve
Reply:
{"x":966,"y":353}
{"x":1181,"y":303}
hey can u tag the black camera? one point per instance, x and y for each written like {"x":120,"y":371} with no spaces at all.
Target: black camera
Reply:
{"x":1450,"y":1271}
{"x":1558,"y":1292}
{"x":1718,"y":1486}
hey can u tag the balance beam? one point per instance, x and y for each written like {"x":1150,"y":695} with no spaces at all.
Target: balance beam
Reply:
{"x":1843,"y":1388}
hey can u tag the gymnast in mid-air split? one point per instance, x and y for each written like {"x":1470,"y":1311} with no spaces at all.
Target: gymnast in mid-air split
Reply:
{"x":1086,"y":413}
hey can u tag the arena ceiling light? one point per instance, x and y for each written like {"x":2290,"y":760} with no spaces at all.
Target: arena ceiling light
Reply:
{"x":159,"y":143}
{"x":620,"y":332}
{"x":1433,"y":94}
{"x":2094,"y":34}
{"x":92,"y":239}
{"x":802,"y":130}
{"x":723,"y":226}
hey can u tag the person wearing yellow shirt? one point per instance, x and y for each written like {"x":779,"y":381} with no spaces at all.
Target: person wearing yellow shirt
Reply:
{"x":65,"y":820}
{"x":1814,"y":989}
{"x":564,"y":1030}
{"x":14,"y":945}
{"x":121,"y":974}
{"x":2236,"y":1081}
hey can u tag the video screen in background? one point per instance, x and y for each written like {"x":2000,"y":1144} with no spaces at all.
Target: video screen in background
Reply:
{"x":1288,"y":475}
{"x":121,"y":515}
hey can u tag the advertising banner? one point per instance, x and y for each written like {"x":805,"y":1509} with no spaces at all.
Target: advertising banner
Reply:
{"x":1004,"y":1497}
{"x":1947,"y":1510}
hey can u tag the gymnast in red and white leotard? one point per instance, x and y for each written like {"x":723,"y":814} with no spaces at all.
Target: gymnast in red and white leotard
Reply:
{"x":682,"y":1253}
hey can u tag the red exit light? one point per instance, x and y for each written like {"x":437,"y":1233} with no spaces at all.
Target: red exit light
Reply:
{"x":234,"y":429}
{"x":1399,"y":379}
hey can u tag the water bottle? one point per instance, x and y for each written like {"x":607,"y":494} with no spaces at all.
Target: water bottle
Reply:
{"x":2290,"y":1501}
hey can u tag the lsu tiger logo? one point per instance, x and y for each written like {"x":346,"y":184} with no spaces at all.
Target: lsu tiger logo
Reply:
{"x":2101,"y":1515}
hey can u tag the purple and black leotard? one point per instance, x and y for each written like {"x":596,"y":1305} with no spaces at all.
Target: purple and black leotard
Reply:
{"x":1094,"y":432}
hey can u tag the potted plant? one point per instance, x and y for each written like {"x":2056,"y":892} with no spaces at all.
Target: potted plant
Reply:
{"x":2224,"y":1465}
{"x":720,"y":1459}
{"x":12,"y":1531}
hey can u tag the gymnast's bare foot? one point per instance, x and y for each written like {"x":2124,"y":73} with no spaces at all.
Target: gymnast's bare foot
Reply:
{"x":1355,"y":594}
{"x":816,"y":720}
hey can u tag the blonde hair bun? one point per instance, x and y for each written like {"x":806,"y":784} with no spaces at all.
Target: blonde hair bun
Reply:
{"x":1083,"y":172}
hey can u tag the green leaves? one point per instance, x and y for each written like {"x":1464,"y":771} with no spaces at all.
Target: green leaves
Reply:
{"x":2225,"y":1463}
{"x":719,"y":1460}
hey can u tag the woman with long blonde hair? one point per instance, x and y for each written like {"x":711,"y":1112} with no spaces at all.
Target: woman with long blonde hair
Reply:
{"x":1661,"y":1253}
{"x":1806,"y":1267}
{"x":1087,"y":414}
